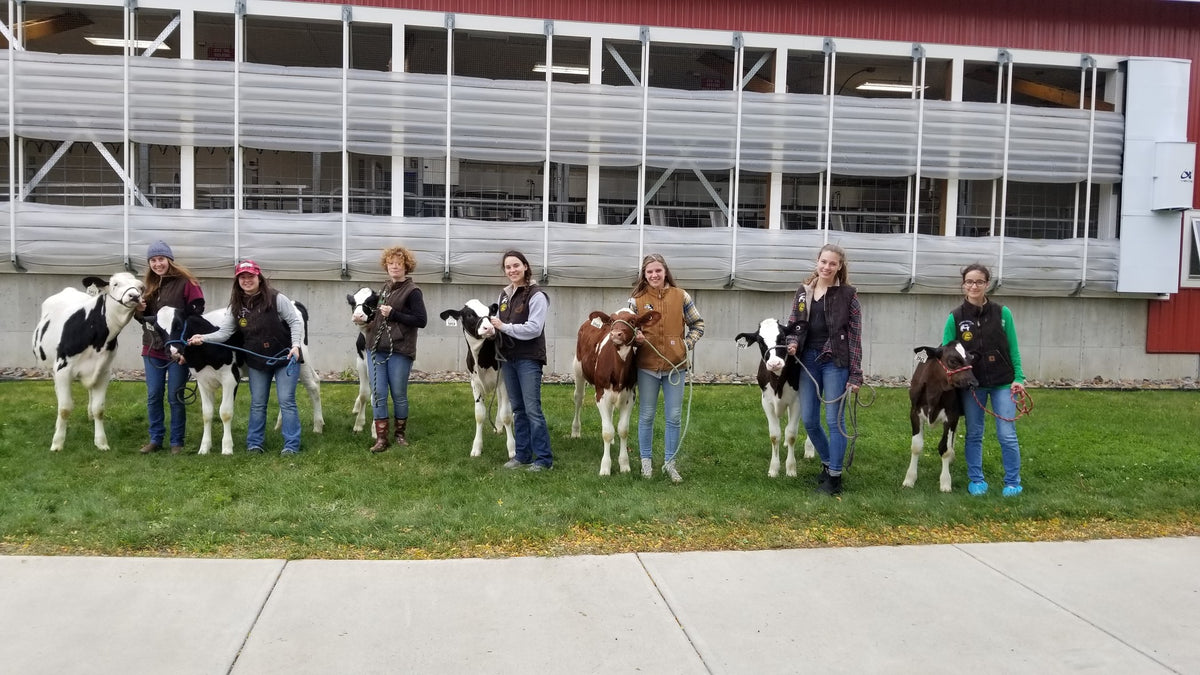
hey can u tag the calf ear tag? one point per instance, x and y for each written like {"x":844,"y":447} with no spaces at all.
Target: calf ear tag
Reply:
{"x":451,"y":322}
{"x":597,"y":323}
{"x":921,"y":357}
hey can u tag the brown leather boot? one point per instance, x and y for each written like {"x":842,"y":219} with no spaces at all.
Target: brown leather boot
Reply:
{"x":401,"y":427}
{"x":381,"y":436}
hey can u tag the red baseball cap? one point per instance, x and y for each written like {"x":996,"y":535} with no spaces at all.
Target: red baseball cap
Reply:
{"x":247,"y":266}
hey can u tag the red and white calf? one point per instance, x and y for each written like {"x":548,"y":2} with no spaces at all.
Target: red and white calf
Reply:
{"x":779,"y":380}
{"x":76,"y":339}
{"x":604,"y":358}
{"x":484,"y":369}
{"x":933,"y":393}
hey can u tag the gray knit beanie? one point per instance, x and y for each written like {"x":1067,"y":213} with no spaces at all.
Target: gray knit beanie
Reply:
{"x":159,"y":248}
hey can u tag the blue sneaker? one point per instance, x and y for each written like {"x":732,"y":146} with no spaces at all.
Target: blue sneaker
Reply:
{"x":977,"y":488}
{"x":1012,"y":490}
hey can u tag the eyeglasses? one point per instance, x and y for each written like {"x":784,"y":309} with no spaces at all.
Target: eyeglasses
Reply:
{"x":975,"y":282}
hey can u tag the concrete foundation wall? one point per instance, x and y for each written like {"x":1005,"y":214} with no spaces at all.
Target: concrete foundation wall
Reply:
{"x":1061,"y":338}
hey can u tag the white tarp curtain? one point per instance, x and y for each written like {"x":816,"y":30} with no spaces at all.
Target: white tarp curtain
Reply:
{"x":180,"y":102}
{"x":88,"y":240}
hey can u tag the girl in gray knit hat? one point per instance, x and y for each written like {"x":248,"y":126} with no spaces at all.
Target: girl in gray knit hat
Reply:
{"x":168,"y":284}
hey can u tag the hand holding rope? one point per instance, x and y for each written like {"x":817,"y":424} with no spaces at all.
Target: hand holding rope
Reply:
{"x":848,"y":404}
{"x":1021,"y":399}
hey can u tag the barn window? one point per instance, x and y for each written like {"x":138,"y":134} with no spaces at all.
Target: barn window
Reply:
{"x":1191,"y":253}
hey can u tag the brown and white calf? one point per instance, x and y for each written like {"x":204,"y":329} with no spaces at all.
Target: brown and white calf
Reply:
{"x":76,"y":339}
{"x":934,"y":394}
{"x":484,"y":369}
{"x":604,"y":358}
{"x":779,"y":380}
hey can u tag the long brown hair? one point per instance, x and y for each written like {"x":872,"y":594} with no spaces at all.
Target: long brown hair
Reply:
{"x":513,"y":253}
{"x":239,"y":302}
{"x":153,"y":281}
{"x":641,"y":284}
{"x":843,"y":273}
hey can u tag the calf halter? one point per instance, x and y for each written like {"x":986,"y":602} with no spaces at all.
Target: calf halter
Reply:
{"x":632,"y":328}
{"x":950,"y":372}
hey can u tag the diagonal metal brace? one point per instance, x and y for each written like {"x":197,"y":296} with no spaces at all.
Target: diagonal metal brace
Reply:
{"x":116,"y":166}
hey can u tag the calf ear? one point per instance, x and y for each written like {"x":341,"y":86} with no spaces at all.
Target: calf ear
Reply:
{"x":446,"y":314}
{"x":350,"y":300}
{"x":492,"y":309}
{"x":925,"y":353}
{"x":648,"y":319}
{"x":93,"y":285}
{"x":604,"y":318}
{"x":195,"y":307}
{"x":745,"y":339}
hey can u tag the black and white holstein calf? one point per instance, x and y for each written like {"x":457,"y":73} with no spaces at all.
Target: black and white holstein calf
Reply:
{"x":309,"y":378}
{"x":779,"y":380}
{"x":934,"y":393}
{"x":484,"y":369}
{"x":76,"y":339}
{"x":214,"y":365}
{"x":363,"y":304}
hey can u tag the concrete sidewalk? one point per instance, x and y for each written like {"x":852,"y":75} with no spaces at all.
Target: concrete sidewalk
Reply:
{"x":1127,"y":606}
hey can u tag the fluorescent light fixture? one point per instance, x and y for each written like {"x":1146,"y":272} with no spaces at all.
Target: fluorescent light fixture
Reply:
{"x":893,"y":87}
{"x":118,"y":42}
{"x":562,"y":70}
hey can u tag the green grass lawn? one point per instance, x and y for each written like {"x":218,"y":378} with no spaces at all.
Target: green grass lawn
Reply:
{"x":1096,"y":464}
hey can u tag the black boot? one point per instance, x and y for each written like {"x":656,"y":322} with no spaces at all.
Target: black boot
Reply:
{"x":824,"y":475}
{"x":832,"y":486}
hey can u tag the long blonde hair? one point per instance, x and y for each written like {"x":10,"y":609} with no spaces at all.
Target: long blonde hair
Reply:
{"x":641,"y":284}
{"x":843,"y":273}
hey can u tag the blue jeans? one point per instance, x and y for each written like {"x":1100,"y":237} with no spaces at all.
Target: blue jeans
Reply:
{"x":523,"y":380}
{"x":260,"y":394}
{"x":1006,"y":432}
{"x":165,"y":376}
{"x":649,"y":383}
{"x":389,"y":372}
{"x":830,"y":384}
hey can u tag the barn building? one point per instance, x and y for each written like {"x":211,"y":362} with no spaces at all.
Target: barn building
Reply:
{"x":1052,"y":141}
